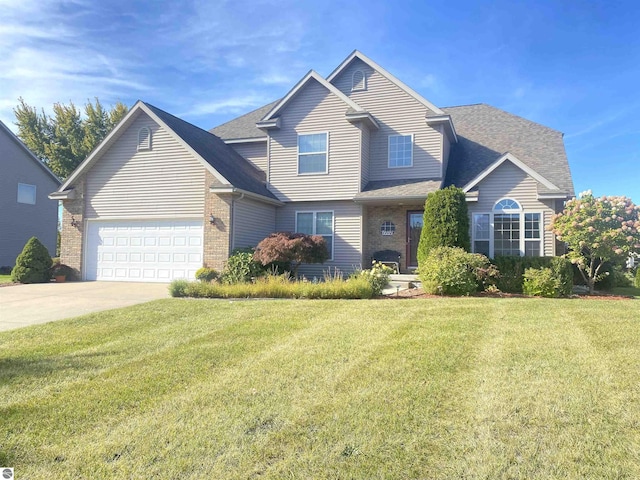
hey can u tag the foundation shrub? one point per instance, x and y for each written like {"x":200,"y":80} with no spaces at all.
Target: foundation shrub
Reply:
{"x":33,"y":264}
{"x":541,"y":282}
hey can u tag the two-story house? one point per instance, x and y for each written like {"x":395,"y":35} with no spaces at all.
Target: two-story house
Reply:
{"x":350,"y":157}
{"x":25,"y":210}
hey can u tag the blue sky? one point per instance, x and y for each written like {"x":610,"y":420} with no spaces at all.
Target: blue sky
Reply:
{"x":571,"y":65}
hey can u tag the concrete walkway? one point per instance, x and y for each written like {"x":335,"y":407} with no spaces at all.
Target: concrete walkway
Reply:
{"x":23,"y":305}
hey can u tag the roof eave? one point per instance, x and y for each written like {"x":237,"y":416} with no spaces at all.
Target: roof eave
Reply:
{"x":364,"y":117}
{"x":238,"y":191}
{"x":63,"y":195}
{"x":447,"y":122}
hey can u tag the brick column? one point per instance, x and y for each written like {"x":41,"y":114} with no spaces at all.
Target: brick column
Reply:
{"x":217,"y":237}
{"x":72,"y":238}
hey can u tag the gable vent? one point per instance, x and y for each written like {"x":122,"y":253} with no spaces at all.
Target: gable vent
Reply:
{"x":144,"y":139}
{"x":358,"y":81}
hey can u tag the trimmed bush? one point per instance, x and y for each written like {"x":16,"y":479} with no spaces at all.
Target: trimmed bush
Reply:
{"x":452,"y":271}
{"x":205,"y":274}
{"x":512,"y":270}
{"x":292,"y":249}
{"x":33,"y":264}
{"x":179,"y":288}
{"x":563,"y":271}
{"x":637,"y":280}
{"x":445,"y":222}
{"x":60,"y":269}
{"x":541,"y":282}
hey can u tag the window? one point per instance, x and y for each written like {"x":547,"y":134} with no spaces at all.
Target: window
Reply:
{"x":358,"y":81}
{"x":400,"y":151}
{"x":26,"y":193}
{"x":317,"y":223}
{"x":144,"y":139}
{"x":312,"y":153}
{"x":507,"y":231}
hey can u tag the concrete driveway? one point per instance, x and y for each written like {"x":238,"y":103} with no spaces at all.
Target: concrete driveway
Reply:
{"x":22,"y":305}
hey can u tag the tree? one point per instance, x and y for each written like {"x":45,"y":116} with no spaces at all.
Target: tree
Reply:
{"x":445,"y":222}
{"x":598,"y":230}
{"x":65,"y":140}
{"x":33,"y":264}
{"x":294,"y":248}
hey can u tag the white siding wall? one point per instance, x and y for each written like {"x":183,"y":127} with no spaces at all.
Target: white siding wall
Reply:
{"x":315,"y":110}
{"x":347,"y":220}
{"x":397,"y":113}
{"x":255,"y":152}
{"x":509,"y":181}
{"x":166,"y":181}
{"x":252,"y":221}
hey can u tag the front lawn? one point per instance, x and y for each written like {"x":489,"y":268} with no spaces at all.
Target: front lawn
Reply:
{"x":5,"y":278}
{"x":437,"y":388}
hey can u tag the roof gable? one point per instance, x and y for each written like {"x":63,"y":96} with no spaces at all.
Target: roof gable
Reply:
{"x":363,"y":58}
{"x":229,"y":167}
{"x":29,"y":153}
{"x":309,"y":77}
{"x":508,"y":157}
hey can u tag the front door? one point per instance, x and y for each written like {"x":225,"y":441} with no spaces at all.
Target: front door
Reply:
{"x":414,"y":229}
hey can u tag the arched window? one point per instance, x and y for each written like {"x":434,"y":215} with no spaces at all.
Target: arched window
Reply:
{"x":507,"y":230}
{"x":358,"y":81}
{"x":144,"y":139}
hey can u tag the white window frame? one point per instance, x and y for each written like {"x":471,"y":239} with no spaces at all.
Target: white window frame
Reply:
{"x":333,"y":226}
{"x":32,"y":188}
{"x":354,"y":88}
{"x":326,"y":153}
{"x":521,"y":220}
{"x":389,"y":151}
{"x":144,"y":145}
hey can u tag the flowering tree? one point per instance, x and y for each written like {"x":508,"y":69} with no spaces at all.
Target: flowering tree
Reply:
{"x":294,"y":248}
{"x":598,"y":230}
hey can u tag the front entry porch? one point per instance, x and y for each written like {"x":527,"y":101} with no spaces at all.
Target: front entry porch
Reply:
{"x":397,"y":228}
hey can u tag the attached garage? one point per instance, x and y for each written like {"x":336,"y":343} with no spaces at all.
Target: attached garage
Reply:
{"x":143,"y":250}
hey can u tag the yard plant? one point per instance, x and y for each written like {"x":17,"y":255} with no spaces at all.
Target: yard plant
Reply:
{"x":442,"y":388}
{"x":33,"y":264}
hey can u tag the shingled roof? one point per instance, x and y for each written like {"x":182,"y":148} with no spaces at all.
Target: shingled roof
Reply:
{"x":224,"y":159}
{"x":486,"y":133}
{"x":244,"y":126}
{"x":391,"y":189}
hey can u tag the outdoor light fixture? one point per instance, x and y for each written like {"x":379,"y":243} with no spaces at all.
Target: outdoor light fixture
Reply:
{"x":212,"y":219}
{"x":74,"y":222}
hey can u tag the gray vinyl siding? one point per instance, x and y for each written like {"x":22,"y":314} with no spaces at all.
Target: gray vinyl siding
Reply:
{"x":166,"y":181}
{"x":20,"y":221}
{"x":509,"y":181}
{"x":397,"y":113}
{"x":255,"y":152}
{"x":314,"y":110}
{"x":252,"y":221}
{"x":365,"y":157}
{"x":347,"y":220}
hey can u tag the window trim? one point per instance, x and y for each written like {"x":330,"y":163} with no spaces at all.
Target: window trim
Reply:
{"x":35,"y":193}
{"x":144,"y":146}
{"x":521,"y":223}
{"x":326,"y":153}
{"x":333,"y":226}
{"x":389,"y":151}
{"x":353,"y":83}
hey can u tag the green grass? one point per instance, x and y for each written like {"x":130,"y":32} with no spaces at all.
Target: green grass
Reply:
{"x":5,"y":278}
{"x":439,"y":388}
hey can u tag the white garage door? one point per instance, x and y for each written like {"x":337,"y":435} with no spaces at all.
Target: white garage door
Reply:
{"x":144,"y":250}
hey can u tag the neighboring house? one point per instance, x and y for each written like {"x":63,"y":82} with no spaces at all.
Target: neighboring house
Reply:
{"x":351,"y":157}
{"x":26,"y":212}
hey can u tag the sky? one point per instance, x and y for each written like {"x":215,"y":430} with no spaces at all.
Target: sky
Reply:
{"x":571,"y":65}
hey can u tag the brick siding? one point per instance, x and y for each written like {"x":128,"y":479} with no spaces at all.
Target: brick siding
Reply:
{"x":217,"y":237}
{"x":72,"y":238}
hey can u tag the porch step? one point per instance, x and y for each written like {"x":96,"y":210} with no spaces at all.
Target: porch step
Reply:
{"x":399,"y":282}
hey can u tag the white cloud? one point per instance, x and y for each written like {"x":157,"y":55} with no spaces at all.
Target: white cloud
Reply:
{"x":235,"y":105}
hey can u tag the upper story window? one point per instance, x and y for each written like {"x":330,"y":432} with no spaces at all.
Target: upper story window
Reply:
{"x":26,"y":193}
{"x":358,"y":81}
{"x":400,"y":151}
{"x":313,"y":153}
{"x":144,"y":139}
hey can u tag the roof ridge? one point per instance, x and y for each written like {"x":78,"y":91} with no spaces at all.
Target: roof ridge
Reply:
{"x":245,"y":114}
